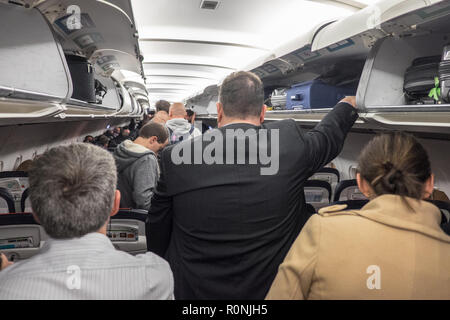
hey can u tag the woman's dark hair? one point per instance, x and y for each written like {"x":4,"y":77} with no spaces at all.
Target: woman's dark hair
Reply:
{"x":395,"y":163}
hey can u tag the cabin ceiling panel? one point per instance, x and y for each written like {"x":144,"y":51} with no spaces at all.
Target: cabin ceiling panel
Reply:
{"x":238,"y":35}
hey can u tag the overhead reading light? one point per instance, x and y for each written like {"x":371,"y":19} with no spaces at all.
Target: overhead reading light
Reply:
{"x":209,"y":5}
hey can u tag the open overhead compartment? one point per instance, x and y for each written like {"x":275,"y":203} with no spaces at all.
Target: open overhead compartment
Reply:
{"x":37,"y":83}
{"x":389,"y":75}
{"x":34,"y":76}
{"x":405,"y":31}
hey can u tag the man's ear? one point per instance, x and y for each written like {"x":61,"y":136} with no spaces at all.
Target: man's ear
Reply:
{"x":363,"y":185}
{"x":429,"y":187}
{"x":263,"y":113}
{"x":219,"y":113}
{"x":153,"y":139}
{"x":116,"y":204}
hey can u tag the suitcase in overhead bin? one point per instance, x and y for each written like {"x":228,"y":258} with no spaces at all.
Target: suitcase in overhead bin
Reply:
{"x":316,"y":95}
{"x":83,"y":80}
{"x":420,"y":79}
{"x":278,"y":99}
{"x":444,"y":74}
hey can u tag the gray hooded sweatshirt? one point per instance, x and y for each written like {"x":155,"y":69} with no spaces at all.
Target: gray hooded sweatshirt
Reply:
{"x":182,"y":127}
{"x":137,"y":174}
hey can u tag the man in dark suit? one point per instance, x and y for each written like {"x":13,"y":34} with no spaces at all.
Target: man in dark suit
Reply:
{"x":230,"y":203}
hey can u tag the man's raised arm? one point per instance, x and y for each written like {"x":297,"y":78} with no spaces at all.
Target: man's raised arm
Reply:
{"x":326,"y":140}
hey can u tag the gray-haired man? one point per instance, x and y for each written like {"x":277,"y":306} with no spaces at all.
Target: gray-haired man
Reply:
{"x":73,"y":194}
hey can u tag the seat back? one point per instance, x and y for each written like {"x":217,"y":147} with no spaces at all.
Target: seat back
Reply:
{"x":21,"y":236}
{"x":16,"y":182}
{"x":317,"y":193}
{"x":6,"y":201}
{"x":348,"y":190}
{"x":25,"y":203}
{"x":329,"y":175}
{"x":127,"y":230}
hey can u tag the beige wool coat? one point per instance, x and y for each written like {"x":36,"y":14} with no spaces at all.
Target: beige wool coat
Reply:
{"x":383,"y":251}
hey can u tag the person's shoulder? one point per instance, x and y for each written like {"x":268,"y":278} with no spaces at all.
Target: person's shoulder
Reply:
{"x":337,"y":210}
{"x":148,"y":259}
{"x":280,"y":124}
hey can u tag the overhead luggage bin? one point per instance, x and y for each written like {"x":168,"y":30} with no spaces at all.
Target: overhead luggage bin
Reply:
{"x":386,"y":77}
{"x":108,"y":36}
{"x":376,"y":21}
{"x":32,"y":66}
{"x":290,"y":55}
{"x":126,"y":108}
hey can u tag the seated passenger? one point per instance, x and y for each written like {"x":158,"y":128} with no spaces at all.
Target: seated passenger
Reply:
{"x":124,"y":135}
{"x":73,"y":194}
{"x":137,"y":166}
{"x":104,"y":142}
{"x":89,"y":139}
{"x":25,"y":166}
{"x":393,"y":248}
{"x":179,"y":128}
{"x":439,"y":195}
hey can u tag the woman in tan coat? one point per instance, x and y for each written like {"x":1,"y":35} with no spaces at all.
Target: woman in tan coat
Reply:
{"x":393,"y":248}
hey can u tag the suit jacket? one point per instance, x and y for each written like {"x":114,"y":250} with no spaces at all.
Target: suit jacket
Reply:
{"x":383,"y":251}
{"x":225,"y":228}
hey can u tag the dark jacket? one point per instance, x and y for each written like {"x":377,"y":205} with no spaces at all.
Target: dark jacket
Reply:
{"x":137,"y":174}
{"x":226,"y":228}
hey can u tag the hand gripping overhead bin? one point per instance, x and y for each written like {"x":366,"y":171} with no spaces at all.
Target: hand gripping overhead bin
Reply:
{"x":316,"y":95}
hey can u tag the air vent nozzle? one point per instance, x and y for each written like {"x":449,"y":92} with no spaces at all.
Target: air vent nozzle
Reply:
{"x":209,"y":5}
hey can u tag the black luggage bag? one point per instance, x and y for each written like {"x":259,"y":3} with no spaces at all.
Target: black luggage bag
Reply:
{"x":82,"y":78}
{"x":420,"y":79}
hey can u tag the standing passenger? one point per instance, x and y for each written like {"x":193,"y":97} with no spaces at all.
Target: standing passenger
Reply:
{"x":162,"y":105}
{"x":73,"y":194}
{"x":137,"y":166}
{"x":224,"y":221}
{"x":393,"y":248}
{"x":179,"y":128}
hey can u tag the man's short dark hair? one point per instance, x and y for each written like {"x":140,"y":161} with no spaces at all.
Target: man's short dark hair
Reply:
{"x":154,"y":129}
{"x":72,"y":189}
{"x":242,"y":95}
{"x":162,"y":105}
{"x":103,"y":140}
{"x":189,"y":112}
